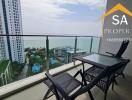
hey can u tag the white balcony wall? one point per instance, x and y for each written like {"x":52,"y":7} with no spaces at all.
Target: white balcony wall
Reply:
{"x":113,"y":46}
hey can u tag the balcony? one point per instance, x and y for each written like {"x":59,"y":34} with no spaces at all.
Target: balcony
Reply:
{"x":54,"y":53}
{"x":33,"y":54}
{"x":36,"y":92}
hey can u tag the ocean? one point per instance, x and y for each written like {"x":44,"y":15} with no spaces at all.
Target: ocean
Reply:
{"x":83,"y":43}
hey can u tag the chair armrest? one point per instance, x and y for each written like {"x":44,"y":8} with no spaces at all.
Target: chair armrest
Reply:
{"x":110,"y":53}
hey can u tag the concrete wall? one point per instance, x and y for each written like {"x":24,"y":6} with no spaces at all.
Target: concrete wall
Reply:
{"x":113,"y":46}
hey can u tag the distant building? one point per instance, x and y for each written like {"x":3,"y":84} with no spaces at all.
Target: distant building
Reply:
{"x":11,"y":24}
{"x":60,"y":52}
{"x":3,"y":43}
{"x":70,"y":54}
{"x":67,"y":53}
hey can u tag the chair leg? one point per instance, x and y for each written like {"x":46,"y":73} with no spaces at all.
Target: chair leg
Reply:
{"x":47,"y":93}
{"x":90,"y":94}
{"x":113,"y":85}
{"x":115,"y":81}
{"x":123,"y":75}
{"x":105,"y":95}
{"x":57,"y":95}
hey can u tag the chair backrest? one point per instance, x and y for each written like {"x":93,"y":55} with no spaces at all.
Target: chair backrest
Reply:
{"x":122,"y":49}
{"x":57,"y":87}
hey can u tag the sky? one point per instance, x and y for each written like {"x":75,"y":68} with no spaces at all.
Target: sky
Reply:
{"x":62,"y":17}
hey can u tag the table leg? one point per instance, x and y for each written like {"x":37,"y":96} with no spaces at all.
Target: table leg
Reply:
{"x":83,"y":66}
{"x":83,"y":74}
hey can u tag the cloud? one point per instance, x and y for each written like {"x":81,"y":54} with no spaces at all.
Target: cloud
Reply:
{"x":90,"y":3}
{"x":53,"y":9}
{"x":45,"y":16}
{"x":44,"y":8}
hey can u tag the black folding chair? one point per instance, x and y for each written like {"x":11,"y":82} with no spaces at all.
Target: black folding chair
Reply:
{"x":119,"y":54}
{"x":68,"y":82}
{"x":60,"y":89}
{"x":104,"y":83}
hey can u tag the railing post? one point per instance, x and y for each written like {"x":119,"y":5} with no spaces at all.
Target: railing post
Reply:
{"x":99,"y":44}
{"x":47,"y":53}
{"x":91,"y":44}
{"x":75,"y":49}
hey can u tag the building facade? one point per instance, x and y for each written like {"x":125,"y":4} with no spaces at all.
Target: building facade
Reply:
{"x":3,"y":43}
{"x":12,"y":23}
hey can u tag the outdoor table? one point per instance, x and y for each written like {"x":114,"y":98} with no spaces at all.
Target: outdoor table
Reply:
{"x":98,"y":60}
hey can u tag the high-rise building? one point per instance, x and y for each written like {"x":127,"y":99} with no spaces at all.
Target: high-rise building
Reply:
{"x":11,"y":23}
{"x":3,"y":43}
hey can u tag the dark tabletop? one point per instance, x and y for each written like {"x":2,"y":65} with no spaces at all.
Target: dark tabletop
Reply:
{"x":99,"y":60}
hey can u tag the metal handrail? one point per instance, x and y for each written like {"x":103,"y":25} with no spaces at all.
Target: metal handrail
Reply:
{"x":47,"y":40}
{"x":52,"y":35}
